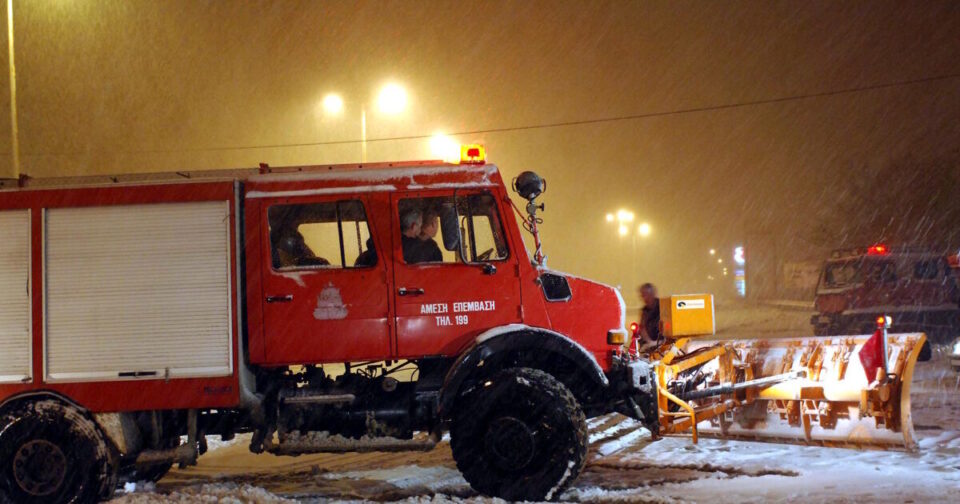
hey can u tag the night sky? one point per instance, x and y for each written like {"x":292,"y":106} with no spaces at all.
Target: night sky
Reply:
{"x":128,"y":86}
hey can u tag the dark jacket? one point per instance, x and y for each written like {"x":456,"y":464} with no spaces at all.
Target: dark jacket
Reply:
{"x":411,"y":249}
{"x":650,"y":319}
{"x":430,"y":251}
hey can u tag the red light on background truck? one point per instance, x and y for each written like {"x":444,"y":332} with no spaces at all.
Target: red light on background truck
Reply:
{"x":877,"y":250}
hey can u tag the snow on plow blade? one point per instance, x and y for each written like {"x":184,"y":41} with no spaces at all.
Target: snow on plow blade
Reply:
{"x":810,"y":390}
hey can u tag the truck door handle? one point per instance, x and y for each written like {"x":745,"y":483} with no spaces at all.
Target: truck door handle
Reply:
{"x":286,"y":298}
{"x":416,"y":291}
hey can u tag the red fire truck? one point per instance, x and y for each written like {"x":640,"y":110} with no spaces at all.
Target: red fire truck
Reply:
{"x":916,"y":286}
{"x":296,"y":304}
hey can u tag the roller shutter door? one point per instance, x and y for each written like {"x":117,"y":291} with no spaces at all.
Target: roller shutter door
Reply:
{"x":138,"y":291}
{"x":15,"y":319}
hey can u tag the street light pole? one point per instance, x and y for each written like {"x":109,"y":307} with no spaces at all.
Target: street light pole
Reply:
{"x":392,"y":100}
{"x":363,"y":134}
{"x":14,"y":130}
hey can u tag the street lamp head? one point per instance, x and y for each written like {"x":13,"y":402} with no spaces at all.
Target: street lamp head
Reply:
{"x":624,"y":216}
{"x":623,"y":230}
{"x":609,"y":217}
{"x":644,"y":229}
{"x":332,"y":104}
{"x":392,"y":99}
{"x":713,"y":251}
{"x":444,"y":148}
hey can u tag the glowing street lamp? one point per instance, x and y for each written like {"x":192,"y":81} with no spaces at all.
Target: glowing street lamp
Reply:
{"x":332,"y":104}
{"x":644,"y":230}
{"x":444,"y":148}
{"x":713,"y":251}
{"x":391,"y":100}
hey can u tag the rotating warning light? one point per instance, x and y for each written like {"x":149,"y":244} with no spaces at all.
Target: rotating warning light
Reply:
{"x":879,"y":249}
{"x":884,"y":322}
{"x":473,"y":154}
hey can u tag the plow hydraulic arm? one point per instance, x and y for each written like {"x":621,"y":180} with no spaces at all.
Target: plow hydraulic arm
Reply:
{"x":806,"y":390}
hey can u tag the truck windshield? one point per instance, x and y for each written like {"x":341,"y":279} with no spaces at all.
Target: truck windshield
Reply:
{"x":840,"y":274}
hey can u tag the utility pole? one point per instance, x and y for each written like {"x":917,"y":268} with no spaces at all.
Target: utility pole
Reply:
{"x":14,"y":129}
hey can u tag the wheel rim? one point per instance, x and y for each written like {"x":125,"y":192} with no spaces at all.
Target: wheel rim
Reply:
{"x":510,"y":443}
{"x":39,"y":467}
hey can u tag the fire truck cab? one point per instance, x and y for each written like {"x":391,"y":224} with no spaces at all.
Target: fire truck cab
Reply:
{"x":915,"y":286}
{"x":321,"y":308}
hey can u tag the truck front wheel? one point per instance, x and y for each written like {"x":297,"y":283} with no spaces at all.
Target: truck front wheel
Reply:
{"x":519,"y":435}
{"x":51,"y":452}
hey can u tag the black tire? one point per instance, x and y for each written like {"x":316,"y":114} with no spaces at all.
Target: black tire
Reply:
{"x":51,"y":452}
{"x":519,"y":435}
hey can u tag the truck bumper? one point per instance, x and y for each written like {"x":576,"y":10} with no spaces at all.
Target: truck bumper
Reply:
{"x":641,"y":377}
{"x":637,"y":393}
{"x":937,"y":324}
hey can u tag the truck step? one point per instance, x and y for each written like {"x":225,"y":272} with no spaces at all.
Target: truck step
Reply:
{"x":295,"y":443}
{"x":301,"y":397}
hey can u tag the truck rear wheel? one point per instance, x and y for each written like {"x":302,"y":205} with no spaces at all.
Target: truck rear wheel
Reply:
{"x":520,"y":435}
{"x":51,"y":452}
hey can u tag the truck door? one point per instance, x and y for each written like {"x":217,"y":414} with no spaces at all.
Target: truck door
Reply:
{"x":325,"y":294}
{"x":455,"y":275}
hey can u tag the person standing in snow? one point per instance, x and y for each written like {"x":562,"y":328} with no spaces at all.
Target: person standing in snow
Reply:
{"x":649,"y":317}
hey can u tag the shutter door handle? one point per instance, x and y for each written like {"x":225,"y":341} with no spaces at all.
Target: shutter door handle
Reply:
{"x":415,"y":291}
{"x":286,"y":298}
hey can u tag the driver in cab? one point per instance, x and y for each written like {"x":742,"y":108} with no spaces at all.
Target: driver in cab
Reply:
{"x":291,"y":250}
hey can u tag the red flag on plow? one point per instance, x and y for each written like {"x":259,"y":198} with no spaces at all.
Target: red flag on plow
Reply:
{"x":871,"y":355}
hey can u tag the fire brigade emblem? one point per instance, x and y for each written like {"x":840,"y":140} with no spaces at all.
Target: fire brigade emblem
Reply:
{"x":330,"y":305}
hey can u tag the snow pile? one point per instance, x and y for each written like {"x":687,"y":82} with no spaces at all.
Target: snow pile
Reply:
{"x":426,"y":479}
{"x":212,"y":493}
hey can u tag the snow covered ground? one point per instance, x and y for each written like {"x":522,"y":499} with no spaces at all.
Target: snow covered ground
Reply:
{"x":624,"y":464}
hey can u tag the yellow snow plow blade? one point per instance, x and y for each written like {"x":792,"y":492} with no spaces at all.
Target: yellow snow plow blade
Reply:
{"x":809,"y":390}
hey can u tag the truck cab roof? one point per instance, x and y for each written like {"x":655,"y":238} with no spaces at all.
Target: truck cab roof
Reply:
{"x":398,"y":175}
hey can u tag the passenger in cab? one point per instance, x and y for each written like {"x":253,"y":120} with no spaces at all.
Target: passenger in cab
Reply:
{"x":410,"y":225}
{"x":367,"y":257}
{"x":429,"y":250}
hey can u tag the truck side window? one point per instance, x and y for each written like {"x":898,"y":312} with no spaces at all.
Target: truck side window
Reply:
{"x":480,"y":228}
{"x":321,"y":235}
{"x":434,"y":230}
{"x":424,"y":222}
